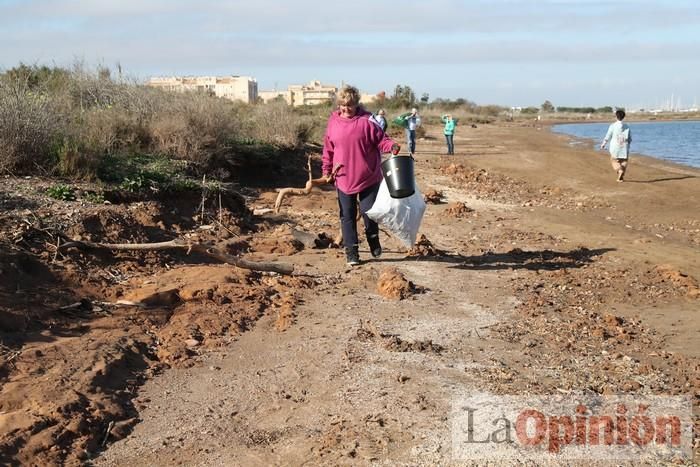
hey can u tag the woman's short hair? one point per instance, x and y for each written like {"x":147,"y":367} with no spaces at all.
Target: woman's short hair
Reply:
{"x":348,"y":95}
{"x":620,"y":114}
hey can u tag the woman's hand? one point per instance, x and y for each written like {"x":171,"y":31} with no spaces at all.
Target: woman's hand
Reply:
{"x":331,"y":176}
{"x":395,"y":149}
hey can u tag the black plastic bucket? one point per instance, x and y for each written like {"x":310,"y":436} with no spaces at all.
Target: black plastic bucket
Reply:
{"x":398,"y":173}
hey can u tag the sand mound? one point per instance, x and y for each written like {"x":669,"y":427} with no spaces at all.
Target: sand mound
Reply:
{"x":236,"y":298}
{"x":393,"y":284}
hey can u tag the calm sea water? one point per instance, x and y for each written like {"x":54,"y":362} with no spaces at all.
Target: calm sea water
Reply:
{"x":674,"y":141}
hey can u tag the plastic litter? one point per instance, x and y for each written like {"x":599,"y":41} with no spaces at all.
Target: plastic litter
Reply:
{"x":401,"y":216}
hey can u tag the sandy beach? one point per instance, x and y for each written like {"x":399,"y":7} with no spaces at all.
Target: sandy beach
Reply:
{"x":538,"y":273}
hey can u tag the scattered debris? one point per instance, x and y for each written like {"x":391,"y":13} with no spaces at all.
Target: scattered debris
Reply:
{"x":433,"y":196}
{"x":458,"y":209}
{"x":424,"y":248}
{"x":392,"y":342}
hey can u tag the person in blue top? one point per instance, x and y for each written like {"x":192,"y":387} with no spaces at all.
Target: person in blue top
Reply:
{"x":619,"y":137}
{"x":449,"y":132}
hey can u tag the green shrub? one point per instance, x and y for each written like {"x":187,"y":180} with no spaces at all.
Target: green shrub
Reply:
{"x":139,"y":172}
{"x":61,"y":192}
{"x":94,"y":197}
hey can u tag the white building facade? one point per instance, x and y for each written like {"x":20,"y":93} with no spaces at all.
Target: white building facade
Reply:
{"x":235,"y":88}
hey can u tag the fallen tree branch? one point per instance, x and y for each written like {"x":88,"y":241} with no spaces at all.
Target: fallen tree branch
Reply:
{"x":281,"y":268}
{"x":310,"y":184}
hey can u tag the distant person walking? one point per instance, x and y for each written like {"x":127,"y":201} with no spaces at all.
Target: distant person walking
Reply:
{"x":410,"y":121}
{"x":449,"y":132}
{"x":619,"y":137}
{"x":352,"y":148}
{"x":381,"y":119}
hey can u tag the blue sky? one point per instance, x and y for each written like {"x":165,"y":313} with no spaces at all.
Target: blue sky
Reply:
{"x":508,"y":52}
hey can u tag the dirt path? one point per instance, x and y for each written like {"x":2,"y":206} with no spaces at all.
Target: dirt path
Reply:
{"x":551,"y":278}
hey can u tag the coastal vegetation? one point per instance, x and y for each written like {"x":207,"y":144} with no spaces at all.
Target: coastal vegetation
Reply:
{"x":97,"y":124}
{"x":88,"y":124}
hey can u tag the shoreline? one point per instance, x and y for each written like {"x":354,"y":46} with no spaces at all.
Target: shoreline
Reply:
{"x":584,"y":139}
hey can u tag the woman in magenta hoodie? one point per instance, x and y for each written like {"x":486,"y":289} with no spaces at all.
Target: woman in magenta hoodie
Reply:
{"x":352,"y":151}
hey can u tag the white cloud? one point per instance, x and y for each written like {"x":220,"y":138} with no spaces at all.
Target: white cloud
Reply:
{"x":369,"y":37}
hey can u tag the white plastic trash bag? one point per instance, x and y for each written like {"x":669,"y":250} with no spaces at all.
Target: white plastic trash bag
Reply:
{"x":401,"y":216}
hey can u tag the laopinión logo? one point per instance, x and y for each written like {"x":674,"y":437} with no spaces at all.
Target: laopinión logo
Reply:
{"x":578,"y":426}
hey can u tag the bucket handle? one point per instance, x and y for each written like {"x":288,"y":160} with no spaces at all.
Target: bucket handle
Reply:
{"x":401,"y":155}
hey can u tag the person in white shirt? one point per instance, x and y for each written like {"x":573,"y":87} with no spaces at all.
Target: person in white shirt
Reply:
{"x":380,"y":116}
{"x":410,"y":121}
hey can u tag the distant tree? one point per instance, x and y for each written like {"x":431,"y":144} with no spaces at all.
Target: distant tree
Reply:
{"x":530,"y":110}
{"x":467,"y":104}
{"x":578,"y":110}
{"x":35,"y":76}
{"x":606,"y":110}
{"x":403,"y":97}
{"x":448,"y":104}
{"x":547,"y":107}
{"x":424,"y":98}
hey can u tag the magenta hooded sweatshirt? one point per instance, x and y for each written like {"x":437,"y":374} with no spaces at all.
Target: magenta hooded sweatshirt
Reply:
{"x":356,"y":143}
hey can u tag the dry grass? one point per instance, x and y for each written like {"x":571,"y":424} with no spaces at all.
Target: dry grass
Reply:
{"x":29,"y":123}
{"x":68,"y":121}
{"x":279,"y":124}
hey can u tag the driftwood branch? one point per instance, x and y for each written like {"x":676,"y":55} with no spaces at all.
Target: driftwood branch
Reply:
{"x":310,"y":184}
{"x":281,"y":268}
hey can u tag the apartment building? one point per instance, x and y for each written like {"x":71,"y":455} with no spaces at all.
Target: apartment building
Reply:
{"x":235,"y":88}
{"x":312,"y":93}
{"x":268,"y":96}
